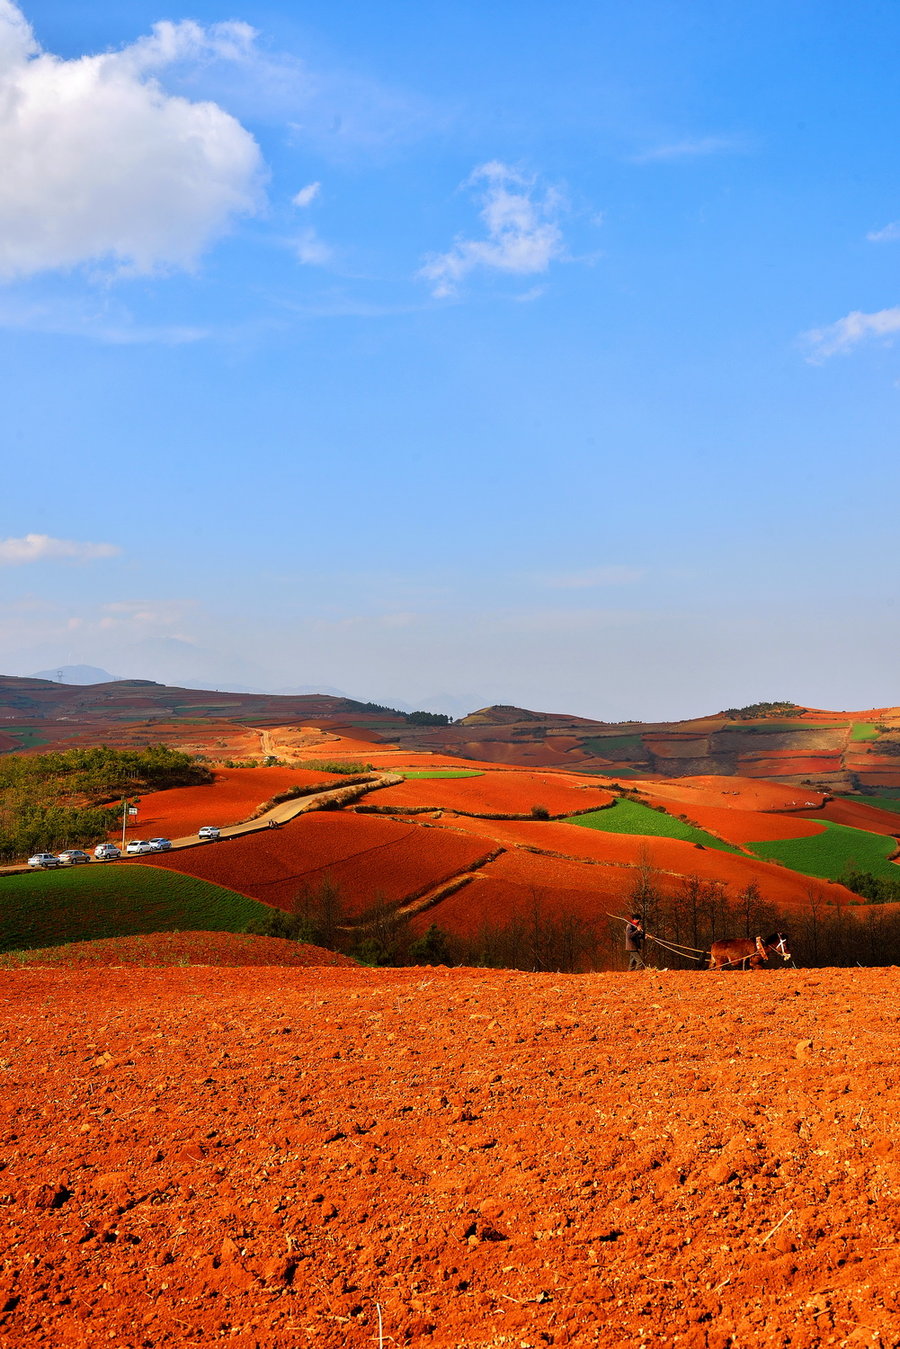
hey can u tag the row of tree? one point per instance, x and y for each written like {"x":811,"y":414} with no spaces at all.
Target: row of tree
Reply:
{"x":544,"y":936}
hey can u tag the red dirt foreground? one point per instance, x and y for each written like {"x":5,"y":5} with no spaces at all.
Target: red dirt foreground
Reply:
{"x":269,"y":1158}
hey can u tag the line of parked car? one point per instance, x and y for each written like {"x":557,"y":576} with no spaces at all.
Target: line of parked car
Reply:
{"x":104,"y":852}
{"x":108,"y":852}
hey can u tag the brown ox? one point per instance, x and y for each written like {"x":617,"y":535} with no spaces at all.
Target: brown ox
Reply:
{"x":752,"y":952}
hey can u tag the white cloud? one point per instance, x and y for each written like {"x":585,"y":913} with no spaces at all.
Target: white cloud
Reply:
{"x":696,"y":148}
{"x":307,"y":195}
{"x":889,"y":234}
{"x":312,"y":250}
{"x":523,"y":234}
{"x":41,"y":548}
{"x":840,"y":337}
{"x":101,"y":164}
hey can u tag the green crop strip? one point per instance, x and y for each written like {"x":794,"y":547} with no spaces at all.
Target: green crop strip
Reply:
{"x":608,"y":746}
{"x":105,"y":900}
{"x":830,"y":854}
{"x":441,"y":773}
{"x":630,"y":817}
{"x":864,"y":730}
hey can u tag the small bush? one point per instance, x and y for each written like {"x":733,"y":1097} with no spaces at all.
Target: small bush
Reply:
{"x":540,"y":813}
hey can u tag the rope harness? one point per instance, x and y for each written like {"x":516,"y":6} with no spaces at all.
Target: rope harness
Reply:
{"x":679,"y":949}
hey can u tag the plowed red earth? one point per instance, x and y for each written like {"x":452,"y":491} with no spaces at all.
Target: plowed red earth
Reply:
{"x":674,"y":859}
{"x":735,"y":793}
{"x":858,"y":815}
{"x":178,"y":948}
{"x":499,"y":793}
{"x":232,"y":796}
{"x":367,"y":856}
{"x":742,"y":826}
{"x":268,"y":1158}
{"x":812,"y":766}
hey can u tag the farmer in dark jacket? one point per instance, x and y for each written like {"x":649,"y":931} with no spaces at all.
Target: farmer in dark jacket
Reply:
{"x":634,"y":942}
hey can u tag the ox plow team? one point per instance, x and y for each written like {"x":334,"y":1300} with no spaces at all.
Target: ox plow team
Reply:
{"x":732,"y":953}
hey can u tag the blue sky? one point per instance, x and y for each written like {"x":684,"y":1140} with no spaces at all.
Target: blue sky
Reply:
{"x":454,"y":353}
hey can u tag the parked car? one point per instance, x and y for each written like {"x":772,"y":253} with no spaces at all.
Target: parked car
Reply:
{"x":138,"y":845}
{"x":107,"y":852}
{"x":73,"y":857}
{"x":44,"y":859}
{"x":160,"y":844}
{"x":209,"y":833}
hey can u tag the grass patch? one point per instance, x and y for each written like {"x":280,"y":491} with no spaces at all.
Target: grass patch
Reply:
{"x":608,"y":746}
{"x":28,"y":737}
{"x":630,"y":817}
{"x":777,"y":727}
{"x":880,"y":802}
{"x":441,"y":773}
{"x":84,"y":903}
{"x":828,"y":856}
{"x":864,"y":730}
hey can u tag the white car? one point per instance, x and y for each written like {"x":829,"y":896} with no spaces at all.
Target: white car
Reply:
{"x":138,"y":845}
{"x":209,"y":833}
{"x":44,"y":859}
{"x":107,"y":852}
{"x":72,"y":857}
{"x":160,"y":844}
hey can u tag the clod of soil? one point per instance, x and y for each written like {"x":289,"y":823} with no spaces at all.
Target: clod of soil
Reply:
{"x":274,"y":1157}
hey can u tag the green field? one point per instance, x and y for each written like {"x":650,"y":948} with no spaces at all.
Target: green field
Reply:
{"x":880,"y":802}
{"x":441,"y":772}
{"x":610,"y":746}
{"x":776,"y":727}
{"x":630,"y":817}
{"x":29,"y":737}
{"x":49,"y":908}
{"x":827,"y":856}
{"x":864,"y":730}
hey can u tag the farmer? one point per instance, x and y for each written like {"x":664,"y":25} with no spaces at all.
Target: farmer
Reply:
{"x":634,"y":942}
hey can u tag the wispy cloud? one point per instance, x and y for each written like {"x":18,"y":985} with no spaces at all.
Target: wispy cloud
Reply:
{"x":523,"y":232}
{"x":311,"y":250}
{"x":592,"y":578}
{"x":697,"y":147}
{"x":888,"y":234}
{"x":307,"y":195}
{"x":42,"y":548}
{"x":838,"y":338}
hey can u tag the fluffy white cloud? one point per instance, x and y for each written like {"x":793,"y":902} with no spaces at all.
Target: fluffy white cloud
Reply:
{"x":40,"y":548}
{"x":100,"y":164}
{"x":523,"y":234}
{"x":307,"y":195}
{"x":842,"y":336}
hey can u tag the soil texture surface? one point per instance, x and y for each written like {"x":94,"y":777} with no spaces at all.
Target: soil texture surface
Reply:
{"x":274,"y":1157}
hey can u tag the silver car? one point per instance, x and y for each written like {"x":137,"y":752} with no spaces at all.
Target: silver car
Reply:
{"x":139,"y":845}
{"x":44,"y":859}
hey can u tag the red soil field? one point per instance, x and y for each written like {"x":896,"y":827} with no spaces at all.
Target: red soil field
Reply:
{"x":741,"y":826}
{"x":366,"y":855}
{"x":739,"y":793}
{"x":672,"y":857}
{"x":232,"y":796}
{"x":178,"y":948}
{"x":859,"y":815}
{"x":794,"y":766}
{"x":501,"y":793}
{"x":267,"y":1158}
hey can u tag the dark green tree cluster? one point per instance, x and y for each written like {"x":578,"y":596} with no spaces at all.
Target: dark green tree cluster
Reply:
{"x":62,"y":799}
{"x":755,"y":710}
